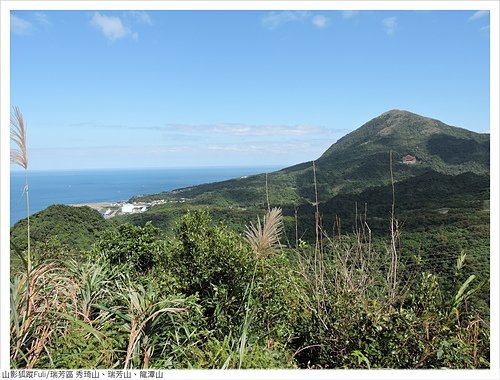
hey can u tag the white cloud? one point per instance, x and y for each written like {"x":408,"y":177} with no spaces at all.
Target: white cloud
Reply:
{"x":265,"y":147}
{"x":112,"y":27}
{"x":349,"y":14}
{"x":140,"y":17}
{"x":22,"y":26}
{"x":19,"y":25}
{"x":273,"y":20}
{"x":235,"y":129}
{"x":245,"y":130}
{"x":227,"y":129}
{"x":478,"y":15}
{"x":320,"y":21}
{"x":390,"y":25}
{"x":41,"y":18}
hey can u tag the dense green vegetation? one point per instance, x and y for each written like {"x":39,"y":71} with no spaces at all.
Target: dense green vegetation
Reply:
{"x":352,"y":271}
{"x":58,"y":228}
{"x":75,"y":227}
{"x":208,"y":297}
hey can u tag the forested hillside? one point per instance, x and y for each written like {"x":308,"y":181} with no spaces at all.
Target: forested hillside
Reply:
{"x":375,"y":255}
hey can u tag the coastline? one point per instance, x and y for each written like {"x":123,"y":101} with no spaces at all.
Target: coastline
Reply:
{"x":98,"y":204}
{"x":100,"y":189}
{"x":111,"y":209}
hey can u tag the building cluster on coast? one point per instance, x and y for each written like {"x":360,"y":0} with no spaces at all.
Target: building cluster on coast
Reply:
{"x":111,"y":209}
{"x":125,"y":207}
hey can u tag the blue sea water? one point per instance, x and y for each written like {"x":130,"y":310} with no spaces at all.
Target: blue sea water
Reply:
{"x":91,"y":186}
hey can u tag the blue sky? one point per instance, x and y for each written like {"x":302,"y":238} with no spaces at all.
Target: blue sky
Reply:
{"x":131,"y":89}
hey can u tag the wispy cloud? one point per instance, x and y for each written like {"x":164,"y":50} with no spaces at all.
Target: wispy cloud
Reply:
{"x":19,"y":25}
{"x":479,"y":14}
{"x":272,"y":147}
{"x":29,"y":23}
{"x":235,"y":129}
{"x":268,"y":148}
{"x":115,"y":28}
{"x":349,"y":14}
{"x":227,"y":129}
{"x":274,"y":20}
{"x":141,"y":17}
{"x":112,"y":27}
{"x":41,"y":18}
{"x":390,"y":25}
{"x":320,"y":21}
{"x":193,"y":155}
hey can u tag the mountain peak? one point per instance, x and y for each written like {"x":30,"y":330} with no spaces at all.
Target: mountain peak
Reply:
{"x":396,"y":112}
{"x":402,"y":116}
{"x":391,"y":124}
{"x":398,"y":130}
{"x":361,"y":159}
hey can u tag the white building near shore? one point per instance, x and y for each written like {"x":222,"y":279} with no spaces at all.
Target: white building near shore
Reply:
{"x":127,"y":208}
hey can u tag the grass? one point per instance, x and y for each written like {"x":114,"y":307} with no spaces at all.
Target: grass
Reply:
{"x":85,"y":314}
{"x":263,"y":237}
{"x":313,"y":306}
{"x":36,"y":299}
{"x":19,"y":156}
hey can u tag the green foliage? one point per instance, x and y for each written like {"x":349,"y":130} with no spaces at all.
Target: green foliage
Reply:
{"x":212,"y":262}
{"x":454,"y":150}
{"x":59,"y":228}
{"x":203,"y":298}
{"x":166,"y":216}
{"x":353,"y":327}
{"x":282,"y":300}
{"x":137,"y":247}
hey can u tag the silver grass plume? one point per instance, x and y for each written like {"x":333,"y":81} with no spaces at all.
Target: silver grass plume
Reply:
{"x":264,"y":237}
{"x":18,"y":155}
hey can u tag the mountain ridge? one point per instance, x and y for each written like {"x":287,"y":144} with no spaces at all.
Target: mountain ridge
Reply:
{"x":388,"y":124}
{"x":358,"y":160}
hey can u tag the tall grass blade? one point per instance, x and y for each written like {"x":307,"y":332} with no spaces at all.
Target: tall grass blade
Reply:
{"x":19,"y":156}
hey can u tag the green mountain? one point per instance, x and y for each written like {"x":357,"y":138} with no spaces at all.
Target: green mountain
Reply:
{"x":356,"y":162}
{"x":75,"y":228}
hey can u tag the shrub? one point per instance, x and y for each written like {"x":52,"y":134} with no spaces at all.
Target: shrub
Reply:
{"x":137,"y":247}
{"x":213,"y":263}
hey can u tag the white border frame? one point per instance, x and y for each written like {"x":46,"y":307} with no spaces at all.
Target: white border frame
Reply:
{"x":492,"y":5}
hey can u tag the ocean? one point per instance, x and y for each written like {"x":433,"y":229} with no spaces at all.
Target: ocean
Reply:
{"x":108,"y":185}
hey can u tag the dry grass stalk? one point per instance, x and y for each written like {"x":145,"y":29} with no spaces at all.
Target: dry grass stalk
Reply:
{"x":393,"y":269}
{"x":136,"y":330}
{"x":318,"y":247}
{"x":296,"y":228}
{"x":142,"y":309}
{"x":264,"y":237}
{"x":267,"y":195}
{"x":18,"y":155}
{"x":35,"y":300}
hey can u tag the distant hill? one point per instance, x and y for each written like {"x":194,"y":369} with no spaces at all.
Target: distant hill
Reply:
{"x":358,"y":161}
{"x":422,"y":203}
{"x":73,"y":227}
